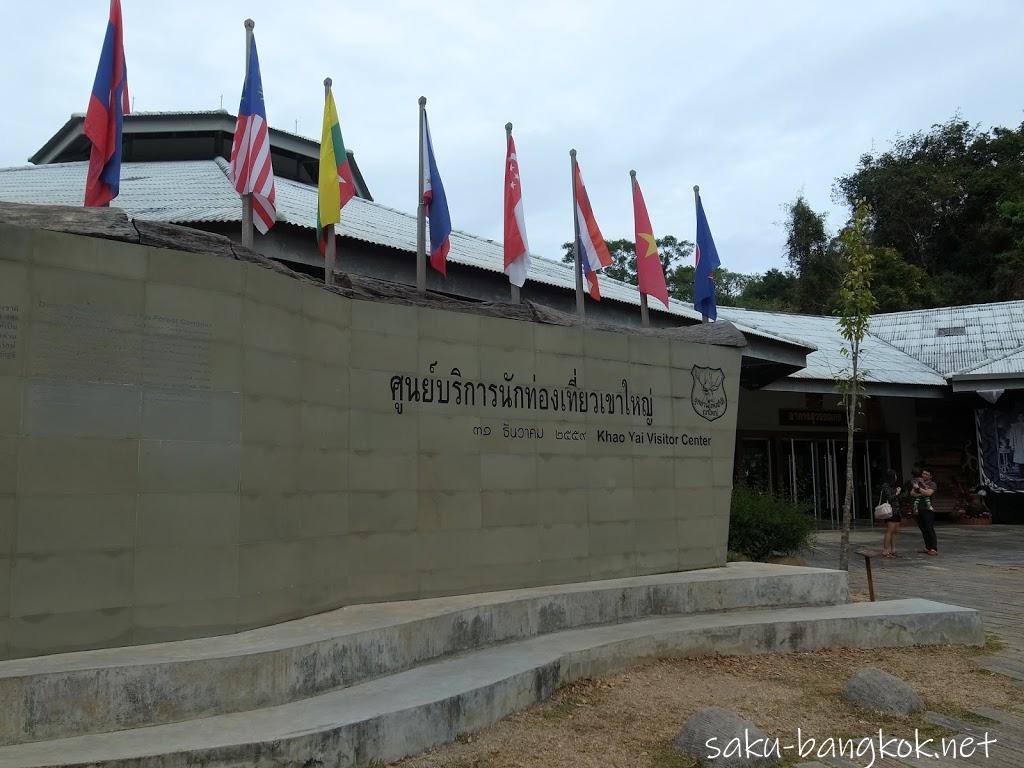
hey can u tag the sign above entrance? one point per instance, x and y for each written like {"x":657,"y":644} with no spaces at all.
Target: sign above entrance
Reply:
{"x":795,"y":417}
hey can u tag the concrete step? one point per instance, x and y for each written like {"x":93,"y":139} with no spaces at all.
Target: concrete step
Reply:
{"x":116,"y":688}
{"x":404,"y":713}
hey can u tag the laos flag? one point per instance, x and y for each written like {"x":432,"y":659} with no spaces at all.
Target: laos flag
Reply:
{"x":436,"y":204}
{"x":108,"y":105}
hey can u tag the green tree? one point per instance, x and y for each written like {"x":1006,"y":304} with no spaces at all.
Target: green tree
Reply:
{"x":856,"y":303}
{"x":672,"y":251}
{"x":943,"y":200}
{"x":811,"y":258}
{"x":773,"y":291}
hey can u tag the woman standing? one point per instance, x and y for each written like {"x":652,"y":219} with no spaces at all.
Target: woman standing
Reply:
{"x":891,"y":493}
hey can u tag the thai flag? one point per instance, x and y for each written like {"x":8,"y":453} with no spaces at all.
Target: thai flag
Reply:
{"x":592,"y":250}
{"x":251,"y":168}
{"x":108,"y":105}
{"x":436,"y":204}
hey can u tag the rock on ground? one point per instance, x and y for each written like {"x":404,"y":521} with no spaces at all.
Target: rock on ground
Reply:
{"x":713,"y":728}
{"x":879,"y":691}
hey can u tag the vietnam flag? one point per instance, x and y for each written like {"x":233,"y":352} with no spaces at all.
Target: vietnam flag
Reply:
{"x":650,"y":275}
{"x":336,"y":185}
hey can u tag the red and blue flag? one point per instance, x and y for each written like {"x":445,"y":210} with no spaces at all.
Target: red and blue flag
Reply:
{"x":590,"y":244}
{"x":252,"y":169}
{"x":108,"y":105}
{"x":436,"y":204}
{"x":707,"y":263}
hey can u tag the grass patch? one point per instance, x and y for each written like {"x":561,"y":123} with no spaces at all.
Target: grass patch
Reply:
{"x":666,"y":756}
{"x":561,"y":710}
{"x":968,"y":716}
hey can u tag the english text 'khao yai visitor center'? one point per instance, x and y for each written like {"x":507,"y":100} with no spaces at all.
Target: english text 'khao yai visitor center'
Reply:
{"x":255,"y":514}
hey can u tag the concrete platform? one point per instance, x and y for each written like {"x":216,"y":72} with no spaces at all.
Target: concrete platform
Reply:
{"x":408,"y":711}
{"x":105,"y":690}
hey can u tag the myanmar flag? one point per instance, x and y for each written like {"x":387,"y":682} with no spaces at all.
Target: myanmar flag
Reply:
{"x":337,"y":185}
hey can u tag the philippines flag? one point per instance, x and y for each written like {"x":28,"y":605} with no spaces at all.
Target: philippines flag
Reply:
{"x":108,"y":105}
{"x":706,"y":263}
{"x":517,"y":250}
{"x":251,"y":169}
{"x":592,"y":250}
{"x":436,"y":204}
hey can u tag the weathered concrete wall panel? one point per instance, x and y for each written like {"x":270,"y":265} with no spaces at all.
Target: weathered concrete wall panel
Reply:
{"x":191,"y":445}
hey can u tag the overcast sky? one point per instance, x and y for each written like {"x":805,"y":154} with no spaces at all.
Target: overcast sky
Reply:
{"x":755,"y":101}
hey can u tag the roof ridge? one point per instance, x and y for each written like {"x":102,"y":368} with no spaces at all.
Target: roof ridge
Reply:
{"x":987,"y":361}
{"x":904,"y":353}
{"x":925,"y":310}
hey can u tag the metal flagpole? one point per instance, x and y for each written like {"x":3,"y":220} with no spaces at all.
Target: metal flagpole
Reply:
{"x":247,"y":238}
{"x":696,"y":202}
{"x":421,"y":214}
{"x":645,"y":317}
{"x":514,"y":288}
{"x":576,"y":238}
{"x":331,"y":254}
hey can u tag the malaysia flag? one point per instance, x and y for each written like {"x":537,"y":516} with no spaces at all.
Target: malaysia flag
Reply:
{"x":592,"y":250}
{"x":517,"y":249}
{"x":251,"y":168}
{"x":436,"y":204}
{"x":108,"y":105}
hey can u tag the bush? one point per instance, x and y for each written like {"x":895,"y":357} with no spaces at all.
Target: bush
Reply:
{"x":762,"y":525}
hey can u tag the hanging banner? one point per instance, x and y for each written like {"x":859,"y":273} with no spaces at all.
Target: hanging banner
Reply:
{"x":1001,"y":447}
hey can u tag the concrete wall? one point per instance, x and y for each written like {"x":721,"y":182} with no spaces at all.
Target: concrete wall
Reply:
{"x":192,"y":445}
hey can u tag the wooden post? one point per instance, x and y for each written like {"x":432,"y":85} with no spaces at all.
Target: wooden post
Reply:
{"x":514,"y":288}
{"x":247,"y":236}
{"x":871,"y":581}
{"x":696,"y":202}
{"x":645,"y":316}
{"x":331,"y":254}
{"x":576,"y":238}
{"x":421,"y":212}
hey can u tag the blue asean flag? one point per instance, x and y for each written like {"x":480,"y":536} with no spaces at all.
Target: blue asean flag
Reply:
{"x":706,"y":264}
{"x":437,"y":205}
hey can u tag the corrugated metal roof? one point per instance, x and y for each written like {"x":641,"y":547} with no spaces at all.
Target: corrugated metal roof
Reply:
{"x":196,"y":191}
{"x":952,"y":339}
{"x":882,"y":363}
{"x":1008,"y":365}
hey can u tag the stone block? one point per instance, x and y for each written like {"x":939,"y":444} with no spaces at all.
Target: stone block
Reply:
{"x":497,"y":363}
{"x":384,"y":432}
{"x":391,"y":552}
{"x":654,"y":535}
{"x":445,"y":356}
{"x":16,"y":243}
{"x":692,"y":472}
{"x":564,"y":542}
{"x":613,"y":538}
{"x":445,"y":472}
{"x":609,"y":504}
{"x":508,"y":472}
{"x":325,"y":343}
{"x":606,"y":345}
{"x":384,"y":352}
{"x":10,"y":405}
{"x":647,"y":350}
{"x":71,"y":465}
{"x":210,"y":314}
{"x":325,"y":384}
{"x":81,"y":409}
{"x":8,"y":523}
{"x":108,"y":299}
{"x":556,"y":472}
{"x":562,"y":506}
{"x":559,"y":340}
{"x":378,"y":471}
{"x":187,"y":520}
{"x":268,"y":286}
{"x":499,"y":509}
{"x":364,"y":587}
{"x":193,"y":415}
{"x":323,"y":426}
{"x":448,"y":510}
{"x":565,"y":571}
{"x":506,"y":334}
{"x":71,"y":582}
{"x":612,"y":566}
{"x":227,"y":368}
{"x":71,"y":631}
{"x":184,"y":620}
{"x":657,"y":561}
{"x":391,"y":319}
{"x":273,"y":329}
{"x":326,"y":307}
{"x":285,"y":516}
{"x":454,"y":327}
{"x":268,"y":566}
{"x":653,"y":472}
{"x":178,"y":466}
{"x":448,"y":433}
{"x":89,"y":254}
{"x":654,"y":503}
{"x":437,"y":550}
{"x":512,"y":545}
{"x":323,"y":469}
{"x":271,"y":375}
{"x":649,"y":380}
{"x":75,"y":523}
{"x":383,"y":511}
{"x":610,"y":472}
{"x":6,"y":566}
{"x":269,"y":468}
{"x":199,"y":270}
{"x":271,"y":421}
{"x":189,"y":573}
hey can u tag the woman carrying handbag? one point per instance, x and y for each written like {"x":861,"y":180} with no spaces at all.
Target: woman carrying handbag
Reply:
{"x":888,"y":511}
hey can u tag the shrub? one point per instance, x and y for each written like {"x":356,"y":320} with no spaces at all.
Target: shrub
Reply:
{"x":762,"y":525}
